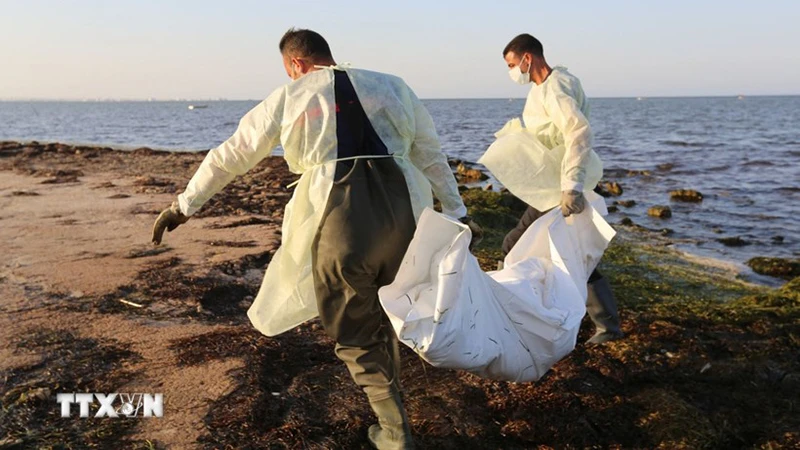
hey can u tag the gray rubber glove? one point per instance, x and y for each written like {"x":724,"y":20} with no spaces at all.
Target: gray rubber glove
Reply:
{"x":169,"y":219}
{"x":477,"y":231}
{"x":572,"y":202}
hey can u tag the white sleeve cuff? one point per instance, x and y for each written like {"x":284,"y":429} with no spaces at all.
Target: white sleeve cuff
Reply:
{"x":457,"y":213}
{"x":183,"y":203}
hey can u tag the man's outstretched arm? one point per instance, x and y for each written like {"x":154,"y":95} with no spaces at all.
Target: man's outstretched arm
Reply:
{"x":255,"y":138}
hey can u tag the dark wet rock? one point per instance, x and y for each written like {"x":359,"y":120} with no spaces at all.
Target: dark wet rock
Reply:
{"x":777,"y":239}
{"x":636,"y":173}
{"x":665,"y":167}
{"x":625,"y":203}
{"x":116,"y":196}
{"x":612,"y":209}
{"x":24,"y":194}
{"x":686,"y":195}
{"x":735,"y":241}
{"x":626,"y":221}
{"x":615,"y":172}
{"x":609,"y":189}
{"x":666,"y":231}
{"x":775,"y":267}
{"x":660,"y":211}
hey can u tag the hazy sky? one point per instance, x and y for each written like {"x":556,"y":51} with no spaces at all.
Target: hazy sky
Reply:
{"x":443,"y":49}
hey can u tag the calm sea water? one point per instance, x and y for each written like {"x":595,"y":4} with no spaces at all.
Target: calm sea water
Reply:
{"x":742,"y":154}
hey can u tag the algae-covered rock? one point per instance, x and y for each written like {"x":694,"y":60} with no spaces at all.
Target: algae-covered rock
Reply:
{"x":625,"y":203}
{"x":686,"y":195}
{"x":776,"y":267}
{"x":497,"y":213}
{"x":663,"y":212}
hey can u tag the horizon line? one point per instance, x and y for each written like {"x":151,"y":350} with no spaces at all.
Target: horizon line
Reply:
{"x":154,"y":100}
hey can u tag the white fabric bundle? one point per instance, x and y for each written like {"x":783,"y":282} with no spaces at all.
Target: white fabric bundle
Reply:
{"x":512,"y":324}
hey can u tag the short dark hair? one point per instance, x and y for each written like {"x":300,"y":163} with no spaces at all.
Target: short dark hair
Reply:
{"x":304,"y":44}
{"x":525,"y":43}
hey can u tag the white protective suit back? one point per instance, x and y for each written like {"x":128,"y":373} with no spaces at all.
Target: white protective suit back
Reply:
{"x":306,"y":110}
{"x":511,"y":325}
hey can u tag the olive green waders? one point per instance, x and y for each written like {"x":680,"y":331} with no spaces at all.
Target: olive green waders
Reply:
{"x":363,"y":236}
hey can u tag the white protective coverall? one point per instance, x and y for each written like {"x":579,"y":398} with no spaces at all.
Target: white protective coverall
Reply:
{"x":512,"y":324}
{"x":556,"y":141}
{"x":301,"y":117}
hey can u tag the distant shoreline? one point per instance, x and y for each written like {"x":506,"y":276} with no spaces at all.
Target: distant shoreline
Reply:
{"x":644,"y":97}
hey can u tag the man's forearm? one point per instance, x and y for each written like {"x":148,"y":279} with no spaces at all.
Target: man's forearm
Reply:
{"x":206,"y":182}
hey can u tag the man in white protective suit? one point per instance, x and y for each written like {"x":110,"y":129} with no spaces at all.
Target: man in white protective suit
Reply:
{"x":369,"y":157}
{"x":557,"y":112}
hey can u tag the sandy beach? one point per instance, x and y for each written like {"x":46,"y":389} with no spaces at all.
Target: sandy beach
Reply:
{"x":88,"y":304}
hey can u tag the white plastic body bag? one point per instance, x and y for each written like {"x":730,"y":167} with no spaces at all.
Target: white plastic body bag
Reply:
{"x":513,"y":324}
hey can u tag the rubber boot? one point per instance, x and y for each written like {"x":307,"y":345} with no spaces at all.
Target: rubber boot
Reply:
{"x":394,"y":346}
{"x":392,"y":432}
{"x":602,"y":309}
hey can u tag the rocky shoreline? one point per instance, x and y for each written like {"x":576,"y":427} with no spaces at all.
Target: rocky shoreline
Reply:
{"x":88,"y":305}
